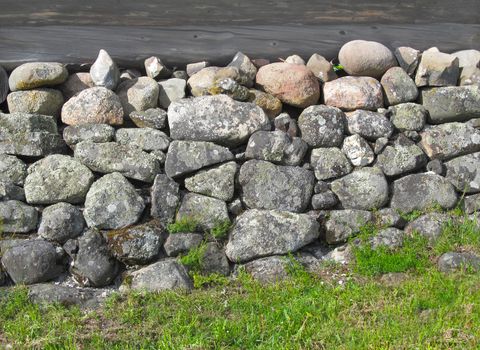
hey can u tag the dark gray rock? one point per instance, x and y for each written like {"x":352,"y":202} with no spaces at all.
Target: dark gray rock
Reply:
{"x":388,"y":217}
{"x":321,"y":186}
{"x":10,"y":191}
{"x":436,"y":166}
{"x":429,"y":225}
{"x":30,"y":135}
{"x":408,"y":58}
{"x":471,"y":204}
{"x":324,"y":200}
{"x":85,"y":298}
{"x":57,"y":178}
{"x":245,"y":67}
{"x":155,"y":118}
{"x":453,"y":261}
{"x":165,"y":198}
{"x":206,"y":211}
{"x":380,"y":145}
{"x":276,"y":147}
{"x":218,"y":119}
{"x":451,"y":103}
{"x":268,"y":270}
{"x":214,"y":260}
{"x":218,"y":182}
{"x":358,"y":151}
{"x":112,"y":203}
{"x":437,"y":69}
{"x":61,"y":222}
{"x":343,"y":224}
{"x":408,"y":116}
{"x":3,"y":84}
{"x":37,"y":74}
{"x":329,"y":163}
{"x":111,"y":157}
{"x":33,"y":261}
{"x":12,"y":169}
{"x":163,"y":275}
{"x":422,"y":191}
{"x":104,"y":71}
{"x":179,"y":243}
{"x":398,"y":87}
{"x":369,"y":125}
{"x":93,"y":264}
{"x":365,"y":188}
{"x":17,"y":217}
{"x":389,"y":237}
{"x":97,"y":133}
{"x":464,"y":173}
{"x":138,"y":94}
{"x":287,"y":124}
{"x":38,"y":101}
{"x":322,"y":126}
{"x":268,"y":186}
{"x":145,"y":138}
{"x":184,"y":157}
{"x":259,"y":233}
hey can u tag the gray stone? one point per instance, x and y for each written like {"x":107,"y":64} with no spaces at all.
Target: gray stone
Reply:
{"x":184,"y":157}
{"x":136,"y":245}
{"x":437,"y":69}
{"x":268,"y":186}
{"x":402,"y":157}
{"x":358,"y":150}
{"x":38,"y":101}
{"x":322,"y":68}
{"x":365,"y":189}
{"x":84,"y":298}
{"x":215,"y":118}
{"x":380,"y":145}
{"x":61,"y":222}
{"x":408,"y":116}
{"x":340,"y":255}
{"x":329,"y":163}
{"x":3,"y":84}
{"x":471,"y":204}
{"x":469,"y":76}
{"x":321,"y":186}
{"x":246,"y":69}
{"x":75,"y":83}
{"x":366,"y":58}
{"x":206,"y":211}
{"x":453,"y":261}
{"x":12,"y":169}
{"x":196,"y":67}
{"x":218,"y":182}
{"x":214,"y":260}
{"x":389,"y":237}
{"x":112,"y":203}
{"x":163,"y":275}
{"x":259,"y":233}
{"x":171,"y":90}
{"x":156,"y":69}
{"x":408,"y":58}
{"x":37,"y":74}
{"x":343,"y":224}
{"x":180,"y":74}
{"x":33,"y":261}
{"x":276,"y":147}
{"x":111,"y":157}
{"x":422,"y":191}
{"x":467,"y":58}
{"x":138,"y":94}
{"x":165,"y":198}
{"x":322,"y":126}
{"x":96,"y":105}
{"x":398,"y":87}
{"x":429,"y":225}
{"x":324,"y":200}
{"x":155,"y":118}
{"x":97,"y":133}
{"x":17,"y":217}
{"x":180,"y":243}
{"x":104,"y":71}
{"x":369,"y":125}
{"x":30,"y":135}
{"x":388,"y":217}
{"x":436,"y":166}
{"x":147,"y":139}
{"x":268,"y":270}
{"x":352,"y":93}
{"x":451,"y":103}
{"x":8,"y":191}
{"x":235,"y":207}
{"x":57,"y":178}
{"x":93,"y":264}
{"x":464,"y":173}
{"x":285,"y":123}
{"x":450,"y":140}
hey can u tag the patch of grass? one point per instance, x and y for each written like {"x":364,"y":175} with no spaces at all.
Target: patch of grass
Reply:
{"x":460,"y":233}
{"x":220,"y":230}
{"x":214,"y":279}
{"x":409,"y":217}
{"x":185,"y":224}
{"x":193,"y":259}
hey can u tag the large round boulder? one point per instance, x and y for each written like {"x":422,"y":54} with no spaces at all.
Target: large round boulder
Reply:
{"x":37,"y":74}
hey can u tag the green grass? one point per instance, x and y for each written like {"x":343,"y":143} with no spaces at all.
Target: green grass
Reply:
{"x":220,"y":230}
{"x":185,"y":224}
{"x":193,"y":259}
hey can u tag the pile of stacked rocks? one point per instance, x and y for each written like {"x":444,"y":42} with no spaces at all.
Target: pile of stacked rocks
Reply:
{"x":293,"y":157}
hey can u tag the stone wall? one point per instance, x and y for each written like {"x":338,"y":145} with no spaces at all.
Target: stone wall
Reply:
{"x":107,"y":177}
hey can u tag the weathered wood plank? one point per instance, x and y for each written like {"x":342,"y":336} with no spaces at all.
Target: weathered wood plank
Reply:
{"x":180,"y":45}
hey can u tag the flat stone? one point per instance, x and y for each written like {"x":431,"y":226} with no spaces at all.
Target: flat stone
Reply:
{"x":218,"y":182}
{"x":61,"y":222}
{"x":293,"y":84}
{"x":180,"y":243}
{"x":206,"y":211}
{"x":408,"y":116}
{"x":196,"y":67}
{"x":31,"y":135}
{"x":259,"y":233}
{"x":322,"y":68}
{"x":357,"y":150}
{"x":450,"y":140}
{"x":185,"y":157}
{"x":38,"y":101}
{"x":268,"y":186}
{"x":329,"y":163}
{"x":75,"y":83}
{"x":464,"y":173}
{"x":369,"y":125}
{"x":57,"y":178}
{"x":37,"y":74}
{"x":343,"y":224}
{"x":112,"y":203}
{"x":147,"y":139}
{"x":437,"y":69}
{"x":104,"y":71}
{"x":165,"y":198}
{"x":398,"y":87}
{"x":12,"y":169}
{"x":322,"y":126}
{"x":422,"y":191}
{"x":364,"y":189}
{"x":351,"y":93}
{"x":95,"y":105}
{"x":18,"y":217}
{"x":155,"y":118}
{"x":271,"y":105}
{"x":111,"y":157}
{"x":155,"y":68}
{"x":171,"y":90}
{"x":84,"y":298}
{"x":451,"y":103}
{"x":215,"y":118}
{"x":408,"y":58}
{"x":430,"y":225}
{"x":138,"y":94}
{"x":453,"y":261}
{"x":97,"y":133}
{"x":160,"y":276}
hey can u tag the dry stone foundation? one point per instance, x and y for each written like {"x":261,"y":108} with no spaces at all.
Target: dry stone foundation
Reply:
{"x":109,"y":176}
